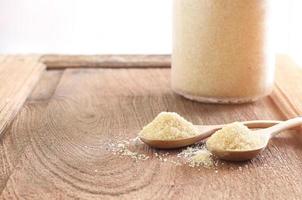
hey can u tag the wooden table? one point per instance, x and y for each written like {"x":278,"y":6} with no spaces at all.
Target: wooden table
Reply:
{"x":54,"y":124}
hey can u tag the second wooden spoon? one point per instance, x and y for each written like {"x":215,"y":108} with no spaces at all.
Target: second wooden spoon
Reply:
{"x":265,"y":134}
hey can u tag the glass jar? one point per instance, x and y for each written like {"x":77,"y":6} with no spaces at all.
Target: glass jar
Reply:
{"x":222,"y":50}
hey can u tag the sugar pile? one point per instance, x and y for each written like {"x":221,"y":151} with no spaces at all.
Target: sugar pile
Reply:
{"x":234,"y":136}
{"x":168,"y":126}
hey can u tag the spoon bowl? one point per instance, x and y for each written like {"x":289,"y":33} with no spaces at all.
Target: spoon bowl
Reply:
{"x":204,"y":132}
{"x":172,"y":144}
{"x":230,"y":155}
{"x":240,"y":155}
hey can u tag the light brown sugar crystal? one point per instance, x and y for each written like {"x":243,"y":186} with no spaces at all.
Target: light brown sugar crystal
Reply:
{"x":168,"y":126}
{"x":234,"y":136}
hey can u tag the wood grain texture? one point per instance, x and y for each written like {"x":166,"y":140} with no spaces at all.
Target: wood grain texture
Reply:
{"x":17,"y":137}
{"x":18,"y":76}
{"x":45,"y":88}
{"x":56,"y":146}
{"x":106,"y":61}
{"x":66,"y":157}
{"x":288,"y":91}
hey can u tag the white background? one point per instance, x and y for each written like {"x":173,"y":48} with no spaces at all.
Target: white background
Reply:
{"x":114,"y":26}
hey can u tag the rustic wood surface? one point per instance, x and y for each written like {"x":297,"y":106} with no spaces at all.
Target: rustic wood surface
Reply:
{"x":18,"y":76}
{"x":56,"y":146}
{"x":17,"y":137}
{"x":288,"y":92}
{"x":106,"y":61}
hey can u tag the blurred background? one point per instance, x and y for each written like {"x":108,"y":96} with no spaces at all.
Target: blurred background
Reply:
{"x":114,"y":26}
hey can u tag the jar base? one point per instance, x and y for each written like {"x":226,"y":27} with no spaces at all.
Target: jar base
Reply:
{"x":219,"y":100}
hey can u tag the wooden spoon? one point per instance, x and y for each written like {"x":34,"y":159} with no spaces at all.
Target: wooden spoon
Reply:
{"x":205,"y":131}
{"x":266,"y":135}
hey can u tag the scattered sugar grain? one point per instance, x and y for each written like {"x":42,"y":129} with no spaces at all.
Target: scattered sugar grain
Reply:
{"x":198,"y":156}
{"x":176,"y":163}
{"x":122,"y":148}
{"x":202,"y":158}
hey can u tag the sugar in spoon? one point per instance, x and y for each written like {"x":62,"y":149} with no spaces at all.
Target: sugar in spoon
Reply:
{"x":265,"y":134}
{"x":204,"y":132}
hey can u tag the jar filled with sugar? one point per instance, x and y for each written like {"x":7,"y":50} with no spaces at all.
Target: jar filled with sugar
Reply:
{"x":222,"y":50}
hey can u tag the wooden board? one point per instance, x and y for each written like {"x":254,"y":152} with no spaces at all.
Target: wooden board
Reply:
{"x":17,"y":137}
{"x":288,"y":92}
{"x":18,"y":76}
{"x":106,"y":61}
{"x":56,"y":146}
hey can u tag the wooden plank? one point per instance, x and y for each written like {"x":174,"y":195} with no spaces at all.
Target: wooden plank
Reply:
{"x":67,"y":156}
{"x":18,"y":76}
{"x":45,"y":88}
{"x":106,"y":61}
{"x":288,"y":92}
{"x":17,"y":137}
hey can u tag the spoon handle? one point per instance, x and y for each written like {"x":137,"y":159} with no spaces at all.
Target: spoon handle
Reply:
{"x":276,"y":129}
{"x":249,"y":124}
{"x":261,"y":123}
